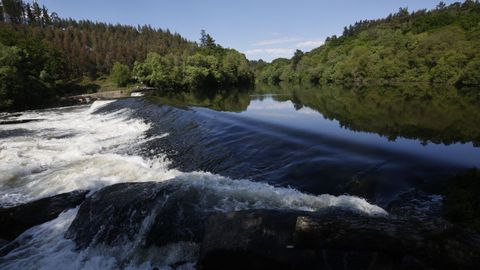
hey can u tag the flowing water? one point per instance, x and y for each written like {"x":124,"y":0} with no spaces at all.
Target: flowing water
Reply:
{"x":303,"y":150}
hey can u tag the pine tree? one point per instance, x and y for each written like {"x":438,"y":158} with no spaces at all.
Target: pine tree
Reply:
{"x":30,"y":17}
{"x":46,"y":17}
{"x":14,"y":11}
{"x":37,"y":12}
{"x":206,"y":41}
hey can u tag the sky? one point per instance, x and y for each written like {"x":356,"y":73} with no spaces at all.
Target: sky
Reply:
{"x":262,"y":29}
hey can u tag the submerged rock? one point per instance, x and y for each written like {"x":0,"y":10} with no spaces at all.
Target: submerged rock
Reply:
{"x":15,"y":220}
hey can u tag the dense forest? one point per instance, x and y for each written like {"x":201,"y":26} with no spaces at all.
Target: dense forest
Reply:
{"x":435,"y":46}
{"x":43,"y":56}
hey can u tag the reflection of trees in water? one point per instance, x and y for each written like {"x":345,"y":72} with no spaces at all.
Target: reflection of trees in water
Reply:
{"x":233,"y":100}
{"x":428,"y":113}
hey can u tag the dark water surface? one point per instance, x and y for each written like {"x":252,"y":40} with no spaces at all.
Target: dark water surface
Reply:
{"x":375,"y":143}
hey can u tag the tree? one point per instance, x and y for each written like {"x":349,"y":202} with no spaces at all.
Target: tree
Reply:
{"x":37,"y":11}
{"x":441,"y":5}
{"x":403,"y":12}
{"x":206,"y":41}
{"x":471,"y":73}
{"x":436,"y":46}
{"x":121,"y":74}
{"x":10,"y":81}
{"x":46,"y":17}
{"x":30,"y":17}
{"x":29,"y":74}
{"x":297,"y":56}
{"x":14,"y":11}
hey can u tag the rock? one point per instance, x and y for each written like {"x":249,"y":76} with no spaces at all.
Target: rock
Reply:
{"x":260,"y":239}
{"x":15,"y":220}
{"x":114,"y":214}
{"x":156,"y":213}
{"x":333,"y":239}
{"x":436,"y":243}
{"x":179,"y":211}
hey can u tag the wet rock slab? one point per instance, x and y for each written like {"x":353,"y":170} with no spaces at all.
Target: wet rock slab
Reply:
{"x":334,"y":239}
{"x":159,"y":214}
{"x":15,"y":220}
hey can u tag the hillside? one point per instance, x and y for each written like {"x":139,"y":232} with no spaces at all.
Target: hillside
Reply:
{"x":43,"y":56}
{"x":435,"y":46}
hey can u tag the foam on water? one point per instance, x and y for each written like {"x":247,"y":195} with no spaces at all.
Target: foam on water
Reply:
{"x":44,"y":247}
{"x":77,"y":148}
{"x":235,"y":195}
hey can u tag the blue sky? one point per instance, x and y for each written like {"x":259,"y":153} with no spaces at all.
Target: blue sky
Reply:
{"x":264,"y":29}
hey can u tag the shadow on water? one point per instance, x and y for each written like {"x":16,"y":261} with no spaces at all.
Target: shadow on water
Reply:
{"x":371,"y":142}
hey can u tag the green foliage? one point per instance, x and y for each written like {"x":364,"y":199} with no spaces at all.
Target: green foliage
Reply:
{"x":437,"y":46}
{"x":206,"y":41}
{"x":204,"y":69}
{"x":50,"y":52}
{"x":29,"y":73}
{"x":471,"y":73}
{"x":14,"y":9}
{"x":121,"y":74}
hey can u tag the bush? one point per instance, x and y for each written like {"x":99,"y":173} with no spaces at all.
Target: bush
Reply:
{"x":471,"y":74}
{"x":121,"y":74}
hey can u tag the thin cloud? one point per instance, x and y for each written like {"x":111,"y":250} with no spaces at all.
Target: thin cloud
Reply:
{"x":272,"y":52}
{"x":310,"y":44}
{"x":265,"y":49}
{"x":276,"y":41}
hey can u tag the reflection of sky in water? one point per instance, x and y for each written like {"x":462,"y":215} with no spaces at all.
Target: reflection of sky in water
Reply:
{"x":285,"y":114}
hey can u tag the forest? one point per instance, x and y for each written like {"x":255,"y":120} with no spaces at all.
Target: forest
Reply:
{"x":43,"y":56}
{"x":438,"y":46}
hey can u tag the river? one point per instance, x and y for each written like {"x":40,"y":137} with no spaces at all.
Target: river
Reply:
{"x":272,"y":148}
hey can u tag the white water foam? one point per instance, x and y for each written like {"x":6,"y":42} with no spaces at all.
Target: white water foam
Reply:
{"x":78,"y":149}
{"x":74,"y":149}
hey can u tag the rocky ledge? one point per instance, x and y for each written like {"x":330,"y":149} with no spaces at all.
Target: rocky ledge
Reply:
{"x":161,"y":214}
{"x":334,"y":239}
{"x":15,"y":220}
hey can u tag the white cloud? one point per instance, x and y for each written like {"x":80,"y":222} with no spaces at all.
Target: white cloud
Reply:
{"x":269,"y":53}
{"x":310,"y":44}
{"x":276,"y":41}
{"x":265,"y":49}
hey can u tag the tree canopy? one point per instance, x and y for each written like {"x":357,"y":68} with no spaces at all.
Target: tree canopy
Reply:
{"x":51,"y":53}
{"x":436,"y":46}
